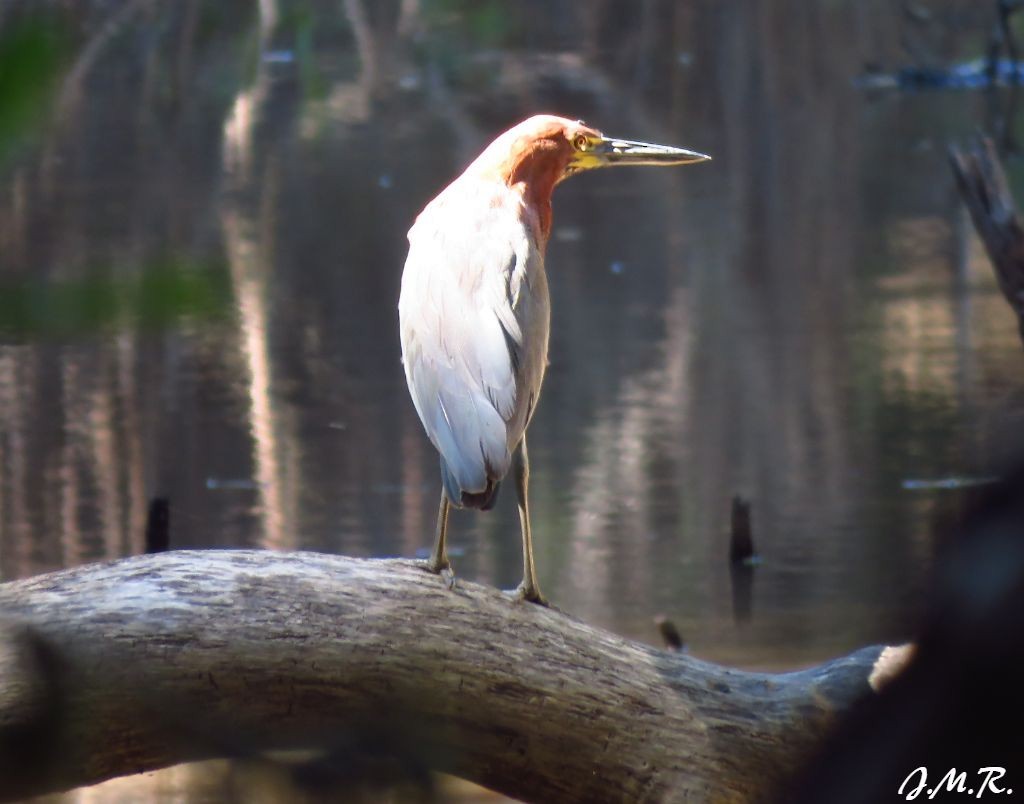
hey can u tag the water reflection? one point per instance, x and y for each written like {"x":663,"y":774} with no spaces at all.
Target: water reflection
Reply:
{"x":202,"y":228}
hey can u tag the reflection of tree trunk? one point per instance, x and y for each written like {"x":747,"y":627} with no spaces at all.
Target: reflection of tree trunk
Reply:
{"x":645,"y":50}
{"x":408,"y":19}
{"x":118,"y":668}
{"x":591,"y":17}
{"x":351,"y":102}
{"x":17,"y":373}
{"x":412,"y":503}
{"x":71,"y":92}
{"x":67,"y":480}
{"x":186,"y":46}
{"x":134,"y":447}
{"x":368,"y":55}
{"x":614,"y":478}
{"x":249,"y":243}
{"x":275,"y":476}
{"x":792,"y":207}
{"x":92,"y":488}
{"x":102,"y":462}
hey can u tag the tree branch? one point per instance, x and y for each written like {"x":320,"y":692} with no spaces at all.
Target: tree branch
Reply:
{"x":121,"y":667}
{"x":983,"y":186}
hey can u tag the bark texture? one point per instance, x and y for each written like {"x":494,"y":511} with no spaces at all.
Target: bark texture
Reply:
{"x":120,"y":667}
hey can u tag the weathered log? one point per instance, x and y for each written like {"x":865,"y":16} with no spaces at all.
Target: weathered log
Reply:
{"x":137,"y":664}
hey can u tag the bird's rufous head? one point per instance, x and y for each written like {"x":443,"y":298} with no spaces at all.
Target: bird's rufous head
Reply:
{"x":543,"y":150}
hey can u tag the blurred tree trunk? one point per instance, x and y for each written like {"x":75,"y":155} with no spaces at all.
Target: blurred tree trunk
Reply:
{"x":116,"y":668}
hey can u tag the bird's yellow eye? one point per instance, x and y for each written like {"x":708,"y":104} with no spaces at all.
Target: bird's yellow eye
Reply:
{"x":581,"y":143}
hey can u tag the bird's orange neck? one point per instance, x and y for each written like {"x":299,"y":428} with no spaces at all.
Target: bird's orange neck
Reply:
{"x":532,"y":167}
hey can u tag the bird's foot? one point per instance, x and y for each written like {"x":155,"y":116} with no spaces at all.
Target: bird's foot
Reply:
{"x":530,"y":593}
{"x":442,"y":567}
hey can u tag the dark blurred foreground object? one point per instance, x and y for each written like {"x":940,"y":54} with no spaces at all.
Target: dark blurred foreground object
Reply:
{"x":158,"y":525}
{"x":982,"y":184}
{"x":960,"y":700}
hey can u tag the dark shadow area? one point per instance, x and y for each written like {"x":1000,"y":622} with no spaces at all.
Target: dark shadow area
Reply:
{"x":958,"y":703}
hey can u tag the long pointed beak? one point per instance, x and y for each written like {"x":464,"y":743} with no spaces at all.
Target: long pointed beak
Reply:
{"x":611,"y":152}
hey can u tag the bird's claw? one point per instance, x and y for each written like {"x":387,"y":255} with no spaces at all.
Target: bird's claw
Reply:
{"x":531,"y":594}
{"x":443,"y":567}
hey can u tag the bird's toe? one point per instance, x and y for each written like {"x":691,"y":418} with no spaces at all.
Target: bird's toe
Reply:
{"x":442,"y":567}
{"x":530,"y":594}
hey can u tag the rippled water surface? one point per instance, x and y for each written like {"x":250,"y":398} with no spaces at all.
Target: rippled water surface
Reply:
{"x":203,"y":210}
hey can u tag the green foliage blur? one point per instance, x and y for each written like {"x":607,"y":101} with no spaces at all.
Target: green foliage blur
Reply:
{"x":31,"y":59}
{"x":152,"y":296}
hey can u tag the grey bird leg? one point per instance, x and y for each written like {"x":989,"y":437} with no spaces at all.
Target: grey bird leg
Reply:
{"x":528,"y":589}
{"x":439,"y":557}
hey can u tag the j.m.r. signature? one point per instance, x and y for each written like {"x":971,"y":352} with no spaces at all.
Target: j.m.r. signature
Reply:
{"x":953,"y":781}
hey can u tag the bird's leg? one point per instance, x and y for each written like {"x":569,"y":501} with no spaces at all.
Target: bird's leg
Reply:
{"x":528,"y":589}
{"x":439,"y":556}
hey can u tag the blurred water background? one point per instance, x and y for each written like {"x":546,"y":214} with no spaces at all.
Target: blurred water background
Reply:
{"x":203,"y":207}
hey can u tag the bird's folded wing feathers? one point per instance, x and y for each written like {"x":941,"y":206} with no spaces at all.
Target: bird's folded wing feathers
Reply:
{"x":461,"y":338}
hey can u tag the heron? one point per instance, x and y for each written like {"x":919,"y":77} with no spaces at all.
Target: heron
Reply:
{"x":474,"y":313}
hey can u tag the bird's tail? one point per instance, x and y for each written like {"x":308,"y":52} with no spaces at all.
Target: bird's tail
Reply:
{"x":484,"y":500}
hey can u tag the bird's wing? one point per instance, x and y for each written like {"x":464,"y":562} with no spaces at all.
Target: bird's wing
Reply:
{"x":462,"y":311}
